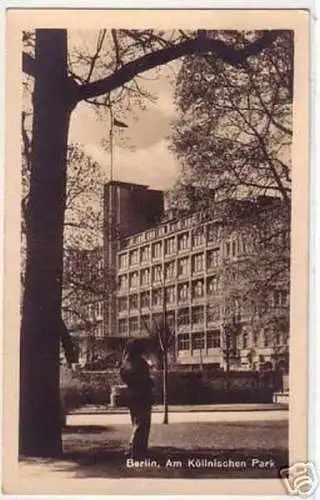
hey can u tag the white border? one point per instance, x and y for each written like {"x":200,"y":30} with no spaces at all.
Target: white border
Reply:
{"x":314,"y":312}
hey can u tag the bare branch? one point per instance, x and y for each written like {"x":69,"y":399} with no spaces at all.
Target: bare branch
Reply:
{"x":95,"y":57}
{"x":234,"y":57}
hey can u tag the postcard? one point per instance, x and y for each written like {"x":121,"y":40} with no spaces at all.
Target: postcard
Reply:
{"x":156,"y":252}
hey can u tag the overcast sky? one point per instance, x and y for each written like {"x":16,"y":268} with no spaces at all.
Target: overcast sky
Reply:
{"x":148,"y":160}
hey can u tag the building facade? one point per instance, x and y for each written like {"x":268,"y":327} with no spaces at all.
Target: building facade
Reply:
{"x":83,"y":301}
{"x":180,"y":268}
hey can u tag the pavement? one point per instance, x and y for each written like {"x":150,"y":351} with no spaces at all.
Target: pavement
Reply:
{"x":106,"y":419}
{"x":239,"y":407}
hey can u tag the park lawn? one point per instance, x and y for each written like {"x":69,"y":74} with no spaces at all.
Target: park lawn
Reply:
{"x":99,"y":450}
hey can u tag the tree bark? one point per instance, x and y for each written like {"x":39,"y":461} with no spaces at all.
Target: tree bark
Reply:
{"x":40,"y":421}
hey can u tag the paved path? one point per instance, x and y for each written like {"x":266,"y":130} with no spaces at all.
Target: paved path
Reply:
{"x":179,"y":417}
{"x":90,"y":409}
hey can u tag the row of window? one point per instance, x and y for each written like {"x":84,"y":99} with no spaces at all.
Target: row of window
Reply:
{"x":170,"y":270}
{"x":210,"y":232}
{"x":182,"y":242}
{"x":181,"y":293}
{"x":212,"y":339}
{"x":185,"y":317}
{"x":91,"y":312}
{"x":199,"y":340}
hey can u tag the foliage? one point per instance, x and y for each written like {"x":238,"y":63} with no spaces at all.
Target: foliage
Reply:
{"x":235,"y":127}
{"x":233,"y":138}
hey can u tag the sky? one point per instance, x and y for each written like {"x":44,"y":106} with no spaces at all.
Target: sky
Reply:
{"x":148,"y":160}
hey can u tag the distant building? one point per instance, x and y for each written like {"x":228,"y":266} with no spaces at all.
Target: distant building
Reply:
{"x":185,"y":262}
{"x":82,"y":302}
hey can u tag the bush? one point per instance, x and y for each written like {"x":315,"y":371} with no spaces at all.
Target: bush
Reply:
{"x":188,"y":387}
{"x":86,"y":388}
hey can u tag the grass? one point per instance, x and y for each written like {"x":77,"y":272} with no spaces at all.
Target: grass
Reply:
{"x":98,"y":451}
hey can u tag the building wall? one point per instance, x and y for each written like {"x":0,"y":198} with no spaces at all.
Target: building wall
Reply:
{"x":183,"y":260}
{"x":128,"y":209}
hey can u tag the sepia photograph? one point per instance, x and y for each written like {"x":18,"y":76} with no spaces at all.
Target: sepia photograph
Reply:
{"x":160,"y":183}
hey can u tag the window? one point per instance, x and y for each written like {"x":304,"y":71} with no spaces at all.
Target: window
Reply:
{"x":156,"y":297}
{"x":157,"y":250}
{"x":150,"y":234}
{"x":245,"y":341}
{"x":171,"y":321}
{"x":169,"y":270}
{"x":99,"y":330}
{"x":183,"y":267}
{"x":122,"y":304}
{"x":133,"y":301}
{"x":162,"y":230}
{"x":213,"y":339}
{"x":122,"y":326}
{"x":170,"y":246}
{"x":123,"y":282}
{"x":197,"y":315}
{"x":280,"y":298}
{"x":145,"y":299}
{"x":198,"y":290}
{"x":213,"y":258}
{"x":183,"y":317}
{"x":197,"y":237}
{"x":157,"y":273}
{"x":183,"y":241}
{"x":90,"y":312}
{"x":266,"y":337}
{"x":98,"y":311}
{"x":183,"y":342}
{"x":244,"y":246}
{"x":145,"y":254}
{"x":213,"y":313}
{"x":145,"y":277}
{"x":157,"y":320}
{"x":123,"y":260}
{"x":212,"y":285}
{"x":134,"y":257}
{"x":227,"y":249}
{"x":213,"y":233}
{"x":145,"y":322}
{"x":197,"y":262}
{"x":198,"y":341}
{"x":255,"y":338}
{"x":133,"y":279}
{"x":234,"y":248}
{"x":170,"y":294}
{"x":133,"y":324}
{"x":183,"y":292}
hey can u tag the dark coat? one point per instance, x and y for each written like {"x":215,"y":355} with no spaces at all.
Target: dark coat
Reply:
{"x":135,"y":374}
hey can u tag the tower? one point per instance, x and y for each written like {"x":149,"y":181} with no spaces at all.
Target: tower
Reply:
{"x":128,"y":209}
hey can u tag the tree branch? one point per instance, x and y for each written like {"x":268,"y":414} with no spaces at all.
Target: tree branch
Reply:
{"x":234,"y":57}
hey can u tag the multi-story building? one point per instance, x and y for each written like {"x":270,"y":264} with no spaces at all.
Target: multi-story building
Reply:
{"x":82,"y":302}
{"x":181,"y":268}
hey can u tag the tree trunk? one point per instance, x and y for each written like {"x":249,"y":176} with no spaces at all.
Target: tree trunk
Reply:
{"x":165,"y":387}
{"x":40,"y":420}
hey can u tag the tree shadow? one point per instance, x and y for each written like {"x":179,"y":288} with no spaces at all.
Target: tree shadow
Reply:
{"x":170,"y":462}
{"x":86,"y":429}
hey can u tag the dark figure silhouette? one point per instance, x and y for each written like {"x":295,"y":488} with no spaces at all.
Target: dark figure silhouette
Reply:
{"x":136,"y":375}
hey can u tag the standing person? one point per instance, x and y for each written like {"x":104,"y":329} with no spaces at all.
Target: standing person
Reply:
{"x":136,"y":375}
